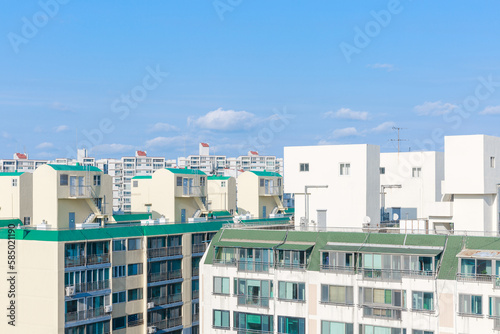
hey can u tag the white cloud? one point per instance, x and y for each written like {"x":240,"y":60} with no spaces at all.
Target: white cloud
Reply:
{"x":386,"y":126}
{"x":165,"y":141}
{"x":5,"y":135}
{"x":111,"y":148}
{"x":225,"y":120}
{"x":59,"y":106}
{"x":44,"y":145}
{"x":326,"y":142}
{"x":434,"y":108}
{"x":491,"y":110}
{"x":62,"y":128}
{"x":163,"y":127}
{"x":387,"y":67}
{"x":347,"y":113}
{"x":345,"y":132}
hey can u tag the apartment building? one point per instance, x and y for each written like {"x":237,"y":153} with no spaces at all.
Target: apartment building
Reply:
{"x":221,"y":194}
{"x":260,"y":194}
{"x":334,"y":185}
{"x":410,"y":183}
{"x":20,"y":163}
{"x":299,"y":282}
{"x":171,"y":193}
{"x":16,"y":196}
{"x":67,"y":196}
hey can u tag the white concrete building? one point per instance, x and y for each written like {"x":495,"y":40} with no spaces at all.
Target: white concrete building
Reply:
{"x":342,"y":183}
{"x":20,"y":163}
{"x":16,"y":196}
{"x":260,"y":194}
{"x":410,"y":182}
{"x":221,"y":194}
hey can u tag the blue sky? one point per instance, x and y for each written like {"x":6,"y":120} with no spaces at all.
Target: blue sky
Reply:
{"x":161,"y":76}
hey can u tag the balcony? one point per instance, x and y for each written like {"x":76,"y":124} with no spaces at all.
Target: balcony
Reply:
{"x":338,"y":269}
{"x":199,"y":248}
{"x":135,"y":323}
{"x":394,"y":275}
{"x":270,"y":191}
{"x":194,"y":191}
{"x":164,"y":252}
{"x":253,"y":266}
{"x":90,"y":286}
{"x":291,"y":266}
{"x":164,"y":276}
{"x":84,"y":315}
{"x":252,"y":300}
{"x":97,"y":259}
{"x":74,"y":261}
{"x":224,"y":262}
{"x":479,"y":278}
{"x":382,"y":312}
{"x":167,"y":323}
{"x":165,"y":300}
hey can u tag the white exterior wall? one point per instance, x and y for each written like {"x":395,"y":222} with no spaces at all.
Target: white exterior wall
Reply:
{"x":16,"y":202}
{"x":348,"y":198}
{"x":415,"y":193}
{"x":222,"y":198}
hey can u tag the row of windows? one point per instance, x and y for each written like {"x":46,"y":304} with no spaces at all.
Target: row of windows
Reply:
{"x":133,"y":320}
{"x":345,"y":169}
{"x":132,"y":270}
{"x":64,"y":180}
{"x":121,"y":244}
{"x":132,"y":294}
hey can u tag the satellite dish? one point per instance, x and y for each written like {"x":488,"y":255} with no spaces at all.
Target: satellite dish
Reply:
{"x":367,"y":220}
{"x":395,"y":216}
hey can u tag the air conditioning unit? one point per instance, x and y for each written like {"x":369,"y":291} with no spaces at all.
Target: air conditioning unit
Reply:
{"x":108,"y":308}
{"x":70,"y":290}
{"x":151,"y":329}
{"x":151,"y":305}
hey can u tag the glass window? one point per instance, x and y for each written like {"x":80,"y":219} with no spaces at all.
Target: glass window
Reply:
{"x":221,"y":285}
{"x":97,"y":180}
{"x":135,"y":319}
{"x":304,"y":167}
{"x":288,"y":325}
{"x":337,"y":294}
{"x":470,"y":304}
{"x":135,"y":269}
{"x":119,"y":245}
{"x":179,"y":181}
{"x":416,"y":331}
{"x":345,"y":169}
{"x":416,"y":172}
{"x":382,"y":170}
{"x":291,"y":291}
{"x":118,"y":271}
{"x":134,"y":294}
{"x":253,"y":322}
{"x":423,"y":300}
{"x":119,"y":323}
{"x":134,"y":244}
{"x":119,"y":297}
{"x":63,"y":180}
{"x":331,"y":327}
{"x":14,"y":182}
{"x":221,"y":319}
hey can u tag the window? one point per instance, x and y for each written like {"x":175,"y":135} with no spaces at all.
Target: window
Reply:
{"x":119,"y":323}
{"x":337,"y":294}
{"x":221,"y":285}
{"x":492,"y":162}
{"x":134,"y":244}
{"x":423,"y":300}
{"x":253,"y":322}
{"x":304,"y":167}
{"x":287,"y":325}
{"x":369,"y":329}
{"x":494,"y":306}
{"x":470,"y":304}
{"x":63,"y":180}
{"x":416,"y":172}
{"x":395,"y":298}
{"x":14,"y":182}
{"x":345,"y":169}
{"x":27,"y":220}
{"x":331,"y":327}
{"x":135,"y":184}
{"x":292,"y":291}
{"x":179,"y":181}
{"x":134,"y":294}
{"x":135,"y":320}
{"x":221,"y":319}
{"x":382,"y":170}
{"x":261,"y":182}
{"x":253,"y":292}
{"x":135,"y":269}
{"x":416,"y":331}
{"x":223,"y":184}
{"x":337,"y":261}
{"x":119,"y":245}
{"x":119,"y":297}
{"x":118,"y":271}
{"x":97,"y":180}
{"x":202,"y":181}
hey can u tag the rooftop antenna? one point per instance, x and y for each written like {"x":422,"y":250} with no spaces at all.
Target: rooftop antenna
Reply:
{"x":399,"y":140}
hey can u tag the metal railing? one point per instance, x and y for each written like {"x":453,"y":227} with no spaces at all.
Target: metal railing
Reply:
{"x":338,"y":269}
{"x":164,"y":300}
{"x":74,"y":261}
{"x":199,"y":248}
{"x":250,"y":331}
{"x":134,"y":323}
{"x":164,"y":276}
{"x":167,"y":323}
{"x":230,"y":263}
{"x":164,"y":251}
{"x":394,"y":274}
{"x":90,"y":286}
{"x":250,"y":300}
{"x":194,"y":191}
{"x":482,"y":278}
{"x":84,"y":315}
{"x":97,"y":258}
{"x":253,"y":266}
{"x":291,"y":266}
{"x":382,"y":312}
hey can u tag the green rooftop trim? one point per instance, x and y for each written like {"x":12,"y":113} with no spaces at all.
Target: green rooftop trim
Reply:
{"x":7,"y":222}
{"x":142,"y":177}
{"x":264,"y":173}
{"x":218,"y":178}
{"x":131,"y":217}
{"x":77,"y":168}
{"x":221,"y":214}
{"x":186,"y":171}
{"x":242,"y":244}
{"x":290,"y":210}
{"x":12,"y":174}
{"x":297,"y":247}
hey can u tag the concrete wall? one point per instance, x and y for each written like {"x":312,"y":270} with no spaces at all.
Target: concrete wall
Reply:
{"x":222,"y":198}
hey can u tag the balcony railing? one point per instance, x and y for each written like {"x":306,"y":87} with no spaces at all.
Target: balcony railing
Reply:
{"x":74,"y":261}
{"x":338,"y":269}
{"x":90,"y":286}
{"x":196,"y":317}
{"x":393,"y":274}
{"x":291,"y":266}
{"x":84,"y":315}
{"x":167,"y":323}
{"x":250,"y":300}
{"x":199,"y":248}
{"x":224,"y":262}
{"x":381,"y":312}
{"x":271,"y":191}
{"x":194,"y":191}
{"x":164,"y":252}
{"x":164,"y":276}
{"x":253,"y":266}
{"x":481,"y":278}
{"x":164,"y":300}
{"x":97,"y":258}
{"x":250,"y":331}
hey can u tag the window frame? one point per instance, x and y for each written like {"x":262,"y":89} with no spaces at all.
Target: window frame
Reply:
{"x":219,"y":314}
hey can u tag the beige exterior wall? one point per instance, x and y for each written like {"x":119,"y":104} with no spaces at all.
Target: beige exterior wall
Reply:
{"x":222,"y":198}
{"x":11,"y":205}
{"x":252,"y":197}
{"x":141,"y":195}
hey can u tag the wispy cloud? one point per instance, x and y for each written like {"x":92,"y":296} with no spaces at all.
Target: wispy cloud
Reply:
{"x":61,"y":128}
{"x":163,"y":142}
{"x":491,"y":110}
{"x":111,"y":148}
{"x":384,"y":127}
{"x":225,"y":120}
{"x":61,"y":107}
{"x":44,"y":145}
{"x":437,"y":108}
{"x":387,"y":67}
{"x":347,"y":113}
{"x":345,"y":132}
{"x":163,"y":127}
